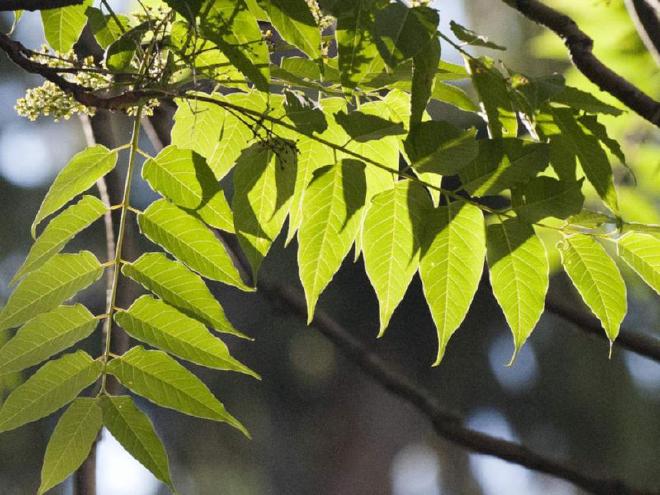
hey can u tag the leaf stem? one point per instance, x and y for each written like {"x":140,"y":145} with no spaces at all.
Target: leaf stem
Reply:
{"x":120,"y":243}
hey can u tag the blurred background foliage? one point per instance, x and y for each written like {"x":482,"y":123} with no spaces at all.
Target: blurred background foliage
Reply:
{"x":319,"y":425}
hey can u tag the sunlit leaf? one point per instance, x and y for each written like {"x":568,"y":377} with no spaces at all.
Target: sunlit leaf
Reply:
{"x":63,"y":26}
{"x":295,"y":23}
{"x":597,"y":279}
{"x":642,"y":253}
{"x":495,"y":98}
{"x":392,"y":240}
{"x":331,"y":219}
{"x":47,"y":287}
{"x":46,"y":335}
{"x":451,"y":265}
{"x":547,"y":197}
{"x":158,"y":324}
{"x":135,"y":432}
{"x":187,"y":238}
{"x":53,"y":386}
{"x":84,"y":169}
{"x":71,"y":442}
{"x":159,"y":378}
{"x":518,"y":275}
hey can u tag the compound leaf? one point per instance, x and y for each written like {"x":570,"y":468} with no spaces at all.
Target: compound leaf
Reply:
{"x":642,"y":253}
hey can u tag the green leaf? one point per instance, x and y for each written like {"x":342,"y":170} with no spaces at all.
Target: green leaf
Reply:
{"x":44,"y":289}
{"x":217,"y":135}
{"x":53,"y":386}
{"x":580,"y":100}
{"x":590,"y":219}
{"x":63,"y":26}
{"x":547,"y":197}
{"x":135,"y":432}
{"x":402,"y":32}
{"x":84,"y":169}
{"x":502,"y":164}
{"x":71,"y":442}
{"x":61,"y":230}
{"x":120,"y":53}
{"x":160,"y":325}
{"x":642,"y":253}
{"x":451,"y":265}
{"x":331,"y":219}
{"x":295,"y":23}
{"x":230,"y":25}
{"x":104,"y":27}
{"x":366,"y":127}
{"x":440,"y":148}
{"x":597,"y":279}
{"x":159,"y":378}
{"x":518,"y":275}
{"x":187,"y":238}
{"x":472,"y":38}
{"x":183,"y":177}
{"x":263,"y":187}
{"x":495,"y":98}
{"x":425,"y":65}
{"x":180,"y":287}
{"x":593,"y":158}
{"x":46,"y":335}
{"x":356,"y":48}
{"x":453,"y":95}
{"x":392,"y":238}
{"x":301,"y":111}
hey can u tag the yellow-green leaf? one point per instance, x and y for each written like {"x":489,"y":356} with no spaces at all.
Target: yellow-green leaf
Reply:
{"x":71,"y":441}
{"x":46,"y":335}
{"x":84,"y":169}
{"x":187,"y":238}
{"x":53,"y":386}
{"x":642,"y":253}
{"x":63,"y":26}
{"x":451,"y":265}
{"x":180,"y":287}
{"x":160,"y":325}
{"x":159,"y":378}
{"x":597,"y":279}
{"x":518,"y":275}
{"x":60,"y":278}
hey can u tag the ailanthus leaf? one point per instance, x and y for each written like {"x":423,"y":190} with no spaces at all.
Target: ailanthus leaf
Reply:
{"x":135,"y":432}
{"x":597,"y":279}
{"x":158,"y":324}
{"x":183,"y":177}
{"x":60,"y":278}
{"x":63,"y":26}
{"x":159,"y":378}
{"x":331,"y":219}
{"x":187,"y":238}
{"x":53,"y":386}
{"x":72,"y":439}
{"x":518,"y":275}
{"x":495,"y":99}
{"x":642,"y":253}
{"x":82,"y":171}
{"x":451,"y":265}
{"x":295,"y":23}
{"x":177,"y":285}
{"x":392,"y":238}
{"x":547,"y":197}
{"x":46,"y":335}
{"x":61,"y":230}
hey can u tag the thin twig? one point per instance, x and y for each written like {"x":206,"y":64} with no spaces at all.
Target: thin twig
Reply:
{"x":580,"y":47}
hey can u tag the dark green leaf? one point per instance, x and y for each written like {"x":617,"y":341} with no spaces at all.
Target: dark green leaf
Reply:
{"x":472,"y":38}
{"x":440,"y":148}
{"x":548,"y":197}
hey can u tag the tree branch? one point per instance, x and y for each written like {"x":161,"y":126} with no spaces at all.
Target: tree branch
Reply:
{"x":9,"y":5}
{"x":446,"y":423}
{"x":580,"y":47}
{"x":645,"y":17}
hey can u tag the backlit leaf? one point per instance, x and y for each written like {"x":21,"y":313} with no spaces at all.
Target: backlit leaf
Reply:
{"x":642,"y":253}
{"x":159,"y":378}
{"x":84,"y":169}
{"x":63,"y":26}
{"x":158,"y":324}
{"x":53,"y":386}
{"x":495,"y":99}
{"x":46,"y":335}
{"x":187,"y":238}
{"x":451,"y":265}
{"x":547,"y":197}
{"x":135,"y":432}
{"x":518,"y":275}
{"x":295,"y":23}
{"x":392,"y":238}
{"x":597,"y":279}
{"x":71,"y":442}
{"x":47,"y":287}
{"x":331,"y":219}
{"x":180,"y":287}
